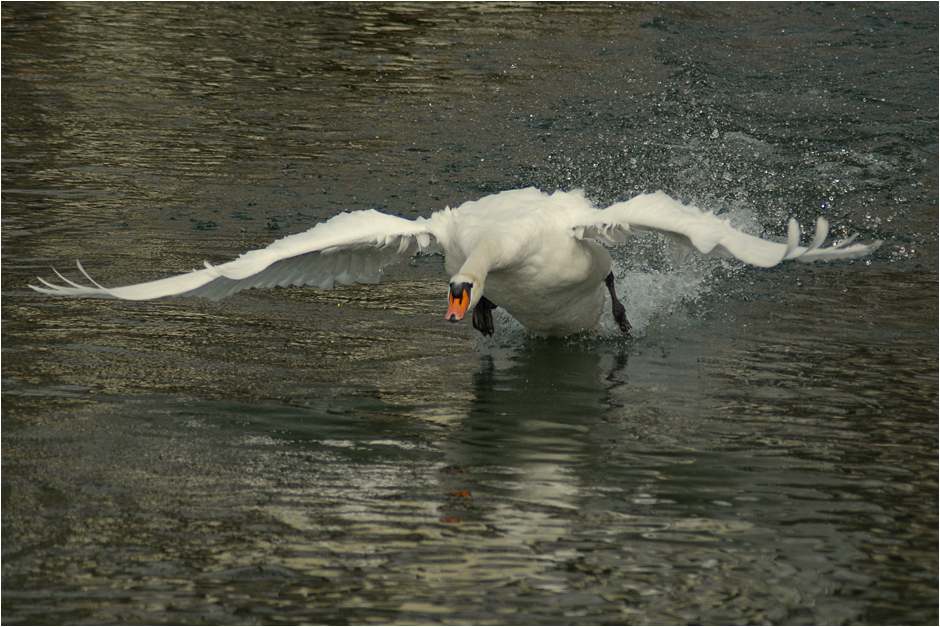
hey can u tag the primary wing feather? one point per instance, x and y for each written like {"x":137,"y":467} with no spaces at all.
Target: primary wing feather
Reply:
{"x":710,"y":234}
{"x":348,"y":248}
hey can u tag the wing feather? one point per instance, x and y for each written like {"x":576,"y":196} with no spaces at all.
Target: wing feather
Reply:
{"x":348,"y":248}
{"x":710,"y":234}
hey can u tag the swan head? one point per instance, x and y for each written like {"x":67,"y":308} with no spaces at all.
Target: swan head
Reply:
{"x":465,"y":292}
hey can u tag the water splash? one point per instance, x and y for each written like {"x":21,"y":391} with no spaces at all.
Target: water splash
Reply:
{"x":651,"y":296}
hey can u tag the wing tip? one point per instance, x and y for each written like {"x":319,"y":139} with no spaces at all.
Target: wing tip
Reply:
{"x":73,"y":288}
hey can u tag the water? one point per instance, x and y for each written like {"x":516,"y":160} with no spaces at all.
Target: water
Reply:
{"x":764,"y":452}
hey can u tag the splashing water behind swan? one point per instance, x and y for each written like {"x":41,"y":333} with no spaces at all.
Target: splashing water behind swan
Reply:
{"x":537,"y":255}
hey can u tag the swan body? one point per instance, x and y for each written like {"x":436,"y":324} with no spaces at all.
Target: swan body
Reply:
{"x":537,"y":255}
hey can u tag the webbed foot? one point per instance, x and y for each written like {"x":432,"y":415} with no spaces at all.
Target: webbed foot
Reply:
{"x":483,"y":317}
{"x":617,"y":308}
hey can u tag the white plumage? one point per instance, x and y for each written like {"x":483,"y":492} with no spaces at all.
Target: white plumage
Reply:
{"x":535,"y":254}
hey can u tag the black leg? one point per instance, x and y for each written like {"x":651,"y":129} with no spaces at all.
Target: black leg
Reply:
{"x":483,"y":317}
{"x":619,"y":311}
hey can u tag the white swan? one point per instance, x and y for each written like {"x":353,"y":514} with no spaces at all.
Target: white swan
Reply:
{"x":535,"y":254}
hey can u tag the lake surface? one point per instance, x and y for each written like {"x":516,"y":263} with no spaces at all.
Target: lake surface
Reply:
{"x":764,"y":451}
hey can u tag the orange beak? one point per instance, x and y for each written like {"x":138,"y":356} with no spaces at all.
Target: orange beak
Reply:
{"x":458,"y":305}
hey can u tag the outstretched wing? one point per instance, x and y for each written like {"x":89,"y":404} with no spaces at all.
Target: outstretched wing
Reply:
{"x":347,"y":248}
{"x":710,"y":234}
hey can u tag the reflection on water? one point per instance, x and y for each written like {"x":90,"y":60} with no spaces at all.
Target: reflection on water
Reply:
{"x":549,"y":497}
{"x":764,"y":452}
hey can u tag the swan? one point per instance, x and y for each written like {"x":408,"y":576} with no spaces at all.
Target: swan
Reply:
{"x":537,"y":255}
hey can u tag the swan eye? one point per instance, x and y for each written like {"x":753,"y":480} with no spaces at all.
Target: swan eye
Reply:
{"x":458,"y":290}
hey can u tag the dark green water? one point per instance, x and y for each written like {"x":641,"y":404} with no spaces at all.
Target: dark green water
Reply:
{"x":765,"y":452}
